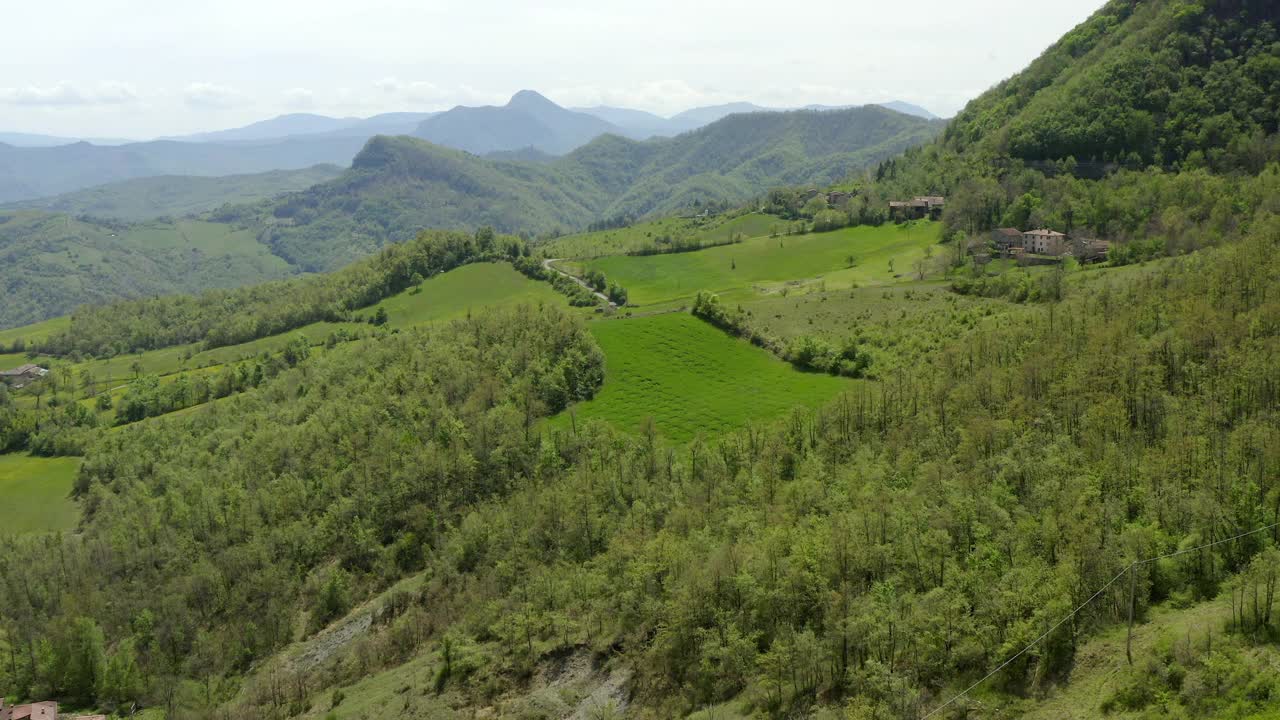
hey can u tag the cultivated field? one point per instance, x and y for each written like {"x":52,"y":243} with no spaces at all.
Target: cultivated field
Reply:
{"x":36,"y":494}
{"x":463,"y":290}
{"x":842,"y":258}
{"x":692,"y":378}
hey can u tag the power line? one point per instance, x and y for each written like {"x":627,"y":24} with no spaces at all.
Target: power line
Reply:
{"x":1085,"y":604}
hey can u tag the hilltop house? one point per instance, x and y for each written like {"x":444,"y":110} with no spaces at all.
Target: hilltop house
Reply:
{"x":20,"y":377}
{"x":917,"y":208}
{"x":1045,"y":242}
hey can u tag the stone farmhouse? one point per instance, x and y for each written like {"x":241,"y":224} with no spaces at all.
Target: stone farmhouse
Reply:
{"x":917,"y":208}
{"x":20,"y":377}
{"x":1015,"y":243}
{"x":1044,"y":242}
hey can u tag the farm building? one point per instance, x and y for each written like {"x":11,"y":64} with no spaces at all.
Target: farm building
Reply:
{"x":1044,"y":242}
{"x":1006,"y":241}
{"x":917,"y":208}
{"x":20,"y":377}
{"x":837,"y":198}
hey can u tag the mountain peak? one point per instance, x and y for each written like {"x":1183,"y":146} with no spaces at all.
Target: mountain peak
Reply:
{"x":530,"y":99}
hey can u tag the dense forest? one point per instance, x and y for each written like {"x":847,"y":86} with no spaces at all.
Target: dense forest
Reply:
{"x":867,"y":559}
{"x":911,"y":534}
{"x":1152,"y":124}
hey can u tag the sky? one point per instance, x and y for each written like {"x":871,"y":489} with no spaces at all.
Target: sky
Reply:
{"x":148,"y":68}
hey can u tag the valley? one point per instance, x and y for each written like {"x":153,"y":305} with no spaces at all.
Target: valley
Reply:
{"x":533,"y":412}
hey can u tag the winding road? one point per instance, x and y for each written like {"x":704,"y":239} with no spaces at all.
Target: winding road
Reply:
{"x":546,"y":264}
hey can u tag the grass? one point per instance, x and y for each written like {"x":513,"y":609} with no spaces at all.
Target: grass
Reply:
{"x":766,"y":265}
{"x":37,"y":331}
{"x":35,"y":493}
{"x":458,"y":292}
{"x":691,"y":378}
{"x":620,"y":241}
{"x":899,"y":325}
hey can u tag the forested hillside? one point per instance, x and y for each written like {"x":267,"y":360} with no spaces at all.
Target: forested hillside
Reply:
{"x":51,"y":264}
{"x":29,"y":173}
{"x":1149,"y":124}
{"x":397,"y":186}
{"x":449,"y":520}
{"x":178,"y":195}
{"x":890,"y":546}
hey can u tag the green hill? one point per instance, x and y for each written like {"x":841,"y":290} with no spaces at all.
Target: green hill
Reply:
{"x":178,"y":196}
{"x":51,"y":264}
{"x":399,"y":185}
{"x":1152,"y":124}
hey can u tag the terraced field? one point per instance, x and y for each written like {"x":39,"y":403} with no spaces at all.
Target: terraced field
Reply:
{"x":36,"y":494}
{"x":842,"y":258}
{"x":692,"y":378}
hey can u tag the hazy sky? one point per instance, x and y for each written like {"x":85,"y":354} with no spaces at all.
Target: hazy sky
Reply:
{"x":141,"y":68}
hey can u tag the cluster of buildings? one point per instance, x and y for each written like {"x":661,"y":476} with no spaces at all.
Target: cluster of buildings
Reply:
{"x":47,"y":710}
{"x":1015,"y":243}
{"x":918,"y":208}
{"x":19,"y":378}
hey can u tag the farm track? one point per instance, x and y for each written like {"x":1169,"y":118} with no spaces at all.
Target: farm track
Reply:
{"x":546,"y":264}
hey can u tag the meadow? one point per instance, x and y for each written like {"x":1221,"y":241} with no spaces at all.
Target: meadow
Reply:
{"x":37,"y":494}
{"x":701,"y":230}
{"x":841,"y":258}
{"x":691,"y":379}
{"x":458,"y":292}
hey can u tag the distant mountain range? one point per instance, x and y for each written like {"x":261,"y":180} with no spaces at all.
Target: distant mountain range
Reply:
{"x":42,"y":172}
{"x":529,"y":127}
{"x":399,"y":185}
{"x":399,"y":123}
{"x":177,"y":195}
{"x":529,"y":120}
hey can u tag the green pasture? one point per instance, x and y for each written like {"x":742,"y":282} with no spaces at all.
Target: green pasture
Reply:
{"x":460,"y":291}
{"x":35,"y":493}
{"x":620,"y":241}
{"x":842,"y":258}
{"x":691,"y":378}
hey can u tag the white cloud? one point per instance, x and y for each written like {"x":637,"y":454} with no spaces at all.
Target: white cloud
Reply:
{"x":430,"y":96}
{"x":66,"y":94}
{"x":300,"y":98}
{"x":661,"y":96}
{"x":210,"y":95}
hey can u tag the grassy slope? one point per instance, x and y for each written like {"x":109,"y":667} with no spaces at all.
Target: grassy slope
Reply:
{"x":179,"y":195}
{"x":621,"y":241}
{"x":768,"y":262}
{"x":692,"y":378}
{"x":458,"y":292}
{"x":36,"y":493}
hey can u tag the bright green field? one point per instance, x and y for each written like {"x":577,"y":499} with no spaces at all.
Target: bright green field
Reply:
{"x":465,"y":289}
{"x":35,"y":494}
{"x":768,"y":264}
{"x":38,"y":331}
{"x":620,"y":241}
{"x":692,"y":378}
